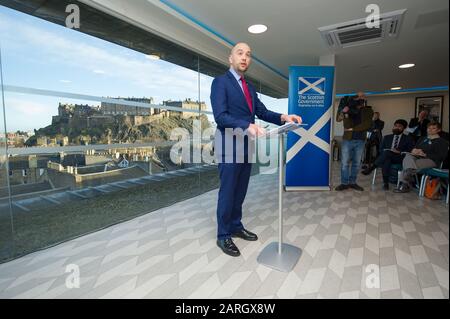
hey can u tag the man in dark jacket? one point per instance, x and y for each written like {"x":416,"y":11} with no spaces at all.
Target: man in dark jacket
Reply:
{"x":374,"y":140}
{"x":392,"y":147}
{"x":418,"y":126}
{"x":357,"y":120}
{"x":377,"y":127}
{"x":429,"y":152}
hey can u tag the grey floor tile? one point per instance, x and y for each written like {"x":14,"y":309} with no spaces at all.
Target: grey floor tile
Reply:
{"x":331,"y":285}
{"x":249,"y":288}
{"x":322,"y":258}
{"x":401,"y":243}
{"x":370,"y":258}
{"x":358,"y":240}
{"x":387,"y":256}
{"x":436,"y":258}
{"x":384,"y":228}
{"x":413,"y":238}
{"x":409,"y":283}
{"x":351,"y":280}
{"x":427,"y":277}
{"x":272,"y":283}
{"x":392,"y":294}
{"x":342,"y":245}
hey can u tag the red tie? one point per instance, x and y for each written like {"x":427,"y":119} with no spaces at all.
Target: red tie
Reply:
{"x":248,"y":97}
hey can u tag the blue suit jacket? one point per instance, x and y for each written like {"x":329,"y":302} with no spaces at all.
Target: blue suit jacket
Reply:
{"x":231,"y":111}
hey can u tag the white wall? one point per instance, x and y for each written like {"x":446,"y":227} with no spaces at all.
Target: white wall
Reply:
{"x":395,"y":107}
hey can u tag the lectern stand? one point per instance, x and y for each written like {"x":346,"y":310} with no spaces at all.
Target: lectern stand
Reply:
{"x":278,"y":255}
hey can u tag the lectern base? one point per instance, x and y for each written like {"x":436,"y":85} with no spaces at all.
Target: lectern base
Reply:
{"x":285,"y":261}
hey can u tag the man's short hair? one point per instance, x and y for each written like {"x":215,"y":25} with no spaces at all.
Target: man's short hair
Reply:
{"x":402,"y":122}
{"x":434,"y":123}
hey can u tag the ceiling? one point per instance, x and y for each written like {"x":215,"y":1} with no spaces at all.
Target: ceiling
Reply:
{"x":210,"y":28}
{"x":293,"y":38}
{"x":131,"y":30}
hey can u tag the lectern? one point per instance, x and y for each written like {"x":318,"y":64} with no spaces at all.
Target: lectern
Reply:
{"x":278,"y":255}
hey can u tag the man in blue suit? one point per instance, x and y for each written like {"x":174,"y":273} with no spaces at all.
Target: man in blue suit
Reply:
{"x":235,"y":104}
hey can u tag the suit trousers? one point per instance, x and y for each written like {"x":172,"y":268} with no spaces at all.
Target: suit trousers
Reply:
{"x":385,"y":160}
{"x":234,"y":179}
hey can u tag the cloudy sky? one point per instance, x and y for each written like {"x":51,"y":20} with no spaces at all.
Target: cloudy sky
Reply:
{"x":39,"y":54}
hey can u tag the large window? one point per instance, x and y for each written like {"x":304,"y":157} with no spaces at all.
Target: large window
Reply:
{"x":90,"y":134}
{"x":96,"y":128}
{"x":6,"y":218}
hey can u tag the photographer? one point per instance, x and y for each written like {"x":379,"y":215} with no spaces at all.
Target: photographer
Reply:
{"x":357,"y":120}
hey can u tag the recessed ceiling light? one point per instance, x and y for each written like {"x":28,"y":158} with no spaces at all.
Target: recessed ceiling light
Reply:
{"x":153,"y":57}
{"x":257,"y":28}
{"x":407,"y":66}
{"x":396,"y":88}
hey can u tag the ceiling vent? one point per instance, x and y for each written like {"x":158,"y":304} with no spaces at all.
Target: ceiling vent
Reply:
{"x":356,"y":32}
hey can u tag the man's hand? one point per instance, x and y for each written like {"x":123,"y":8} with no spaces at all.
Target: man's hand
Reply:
{"x":291,"y":118}
{"x":396,"y":151}
{"x":345,"y":109}
{"x":256,"y":130}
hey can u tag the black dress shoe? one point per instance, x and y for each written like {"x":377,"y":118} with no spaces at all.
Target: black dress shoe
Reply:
{"x":386,"y":186}
{"x":245,"y":234}
{"x":402,"y":189}
{"x":341,"y":187}
{"x":356,"y":187}
{"x":368,"y":170}
{"x":228,"y":247}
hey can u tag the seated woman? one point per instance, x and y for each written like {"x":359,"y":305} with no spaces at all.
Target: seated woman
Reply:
{"x":429,"y":152}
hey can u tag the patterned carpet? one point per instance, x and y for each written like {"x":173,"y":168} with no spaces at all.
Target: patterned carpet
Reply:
{"x":371,"y":244}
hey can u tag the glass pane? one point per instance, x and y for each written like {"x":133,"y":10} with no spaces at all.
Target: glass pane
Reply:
{"x":96,"y":132}
{"x":209,"y":178}
{"x":268,"y":152}
{"x":6,"y":221}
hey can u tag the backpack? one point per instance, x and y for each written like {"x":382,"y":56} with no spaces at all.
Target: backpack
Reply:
{"x":432,"y":188}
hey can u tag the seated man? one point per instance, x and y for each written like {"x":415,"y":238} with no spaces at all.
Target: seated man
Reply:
{"x":429,"y":152}
{"x":391,"y":148}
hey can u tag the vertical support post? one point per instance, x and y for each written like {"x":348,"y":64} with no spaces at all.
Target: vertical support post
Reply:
{"x":280,"y":190}
{"x":277,"y":255}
